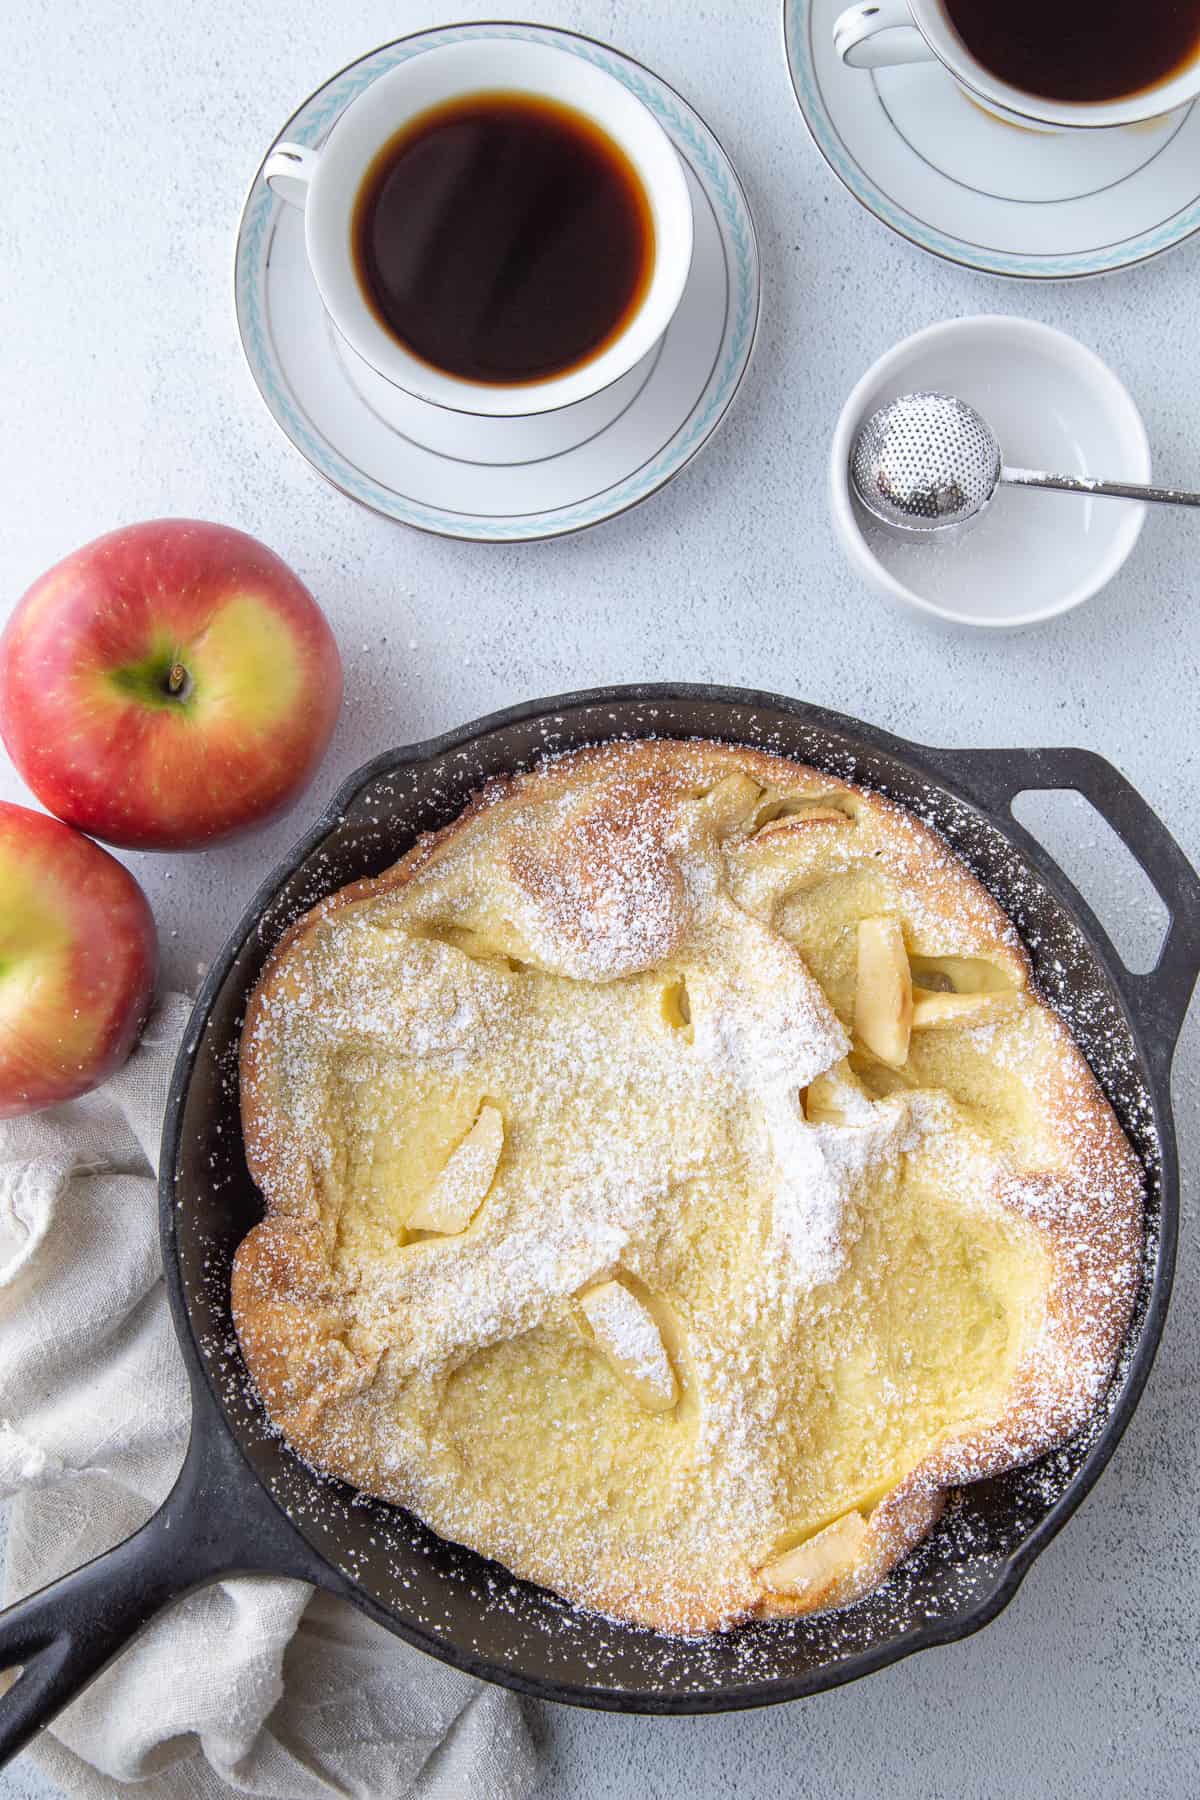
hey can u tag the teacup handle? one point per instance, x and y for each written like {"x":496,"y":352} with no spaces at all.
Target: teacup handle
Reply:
{"x":288,"y":171}
{"x":879,"y":33}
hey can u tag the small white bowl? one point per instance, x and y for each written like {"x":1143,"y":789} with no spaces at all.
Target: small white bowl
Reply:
{"x":1054,"y":406}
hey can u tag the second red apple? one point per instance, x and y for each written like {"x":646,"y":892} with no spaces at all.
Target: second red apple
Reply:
{"x":77,"y":961}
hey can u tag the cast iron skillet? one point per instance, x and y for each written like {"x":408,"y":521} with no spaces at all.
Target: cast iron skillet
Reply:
{"x":244,"y":1502}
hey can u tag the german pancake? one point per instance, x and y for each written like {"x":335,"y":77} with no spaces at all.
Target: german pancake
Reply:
{"x":674,"y":1185}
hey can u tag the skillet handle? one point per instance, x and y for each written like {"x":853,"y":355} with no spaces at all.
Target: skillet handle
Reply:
{"x":216,"y":1521}
{"x":1160,"y":998}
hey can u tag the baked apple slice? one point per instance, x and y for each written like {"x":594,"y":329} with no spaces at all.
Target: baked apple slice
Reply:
{"x":462,"y":1186}
{"x":941,"y":1012}
{"x":625,"y":1332}
{"x":812,"y":1565}
{"x":883,"y":999}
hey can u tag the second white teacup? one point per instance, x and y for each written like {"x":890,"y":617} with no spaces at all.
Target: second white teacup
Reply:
{"x":881,"y":32}
{"x":326,"y":183}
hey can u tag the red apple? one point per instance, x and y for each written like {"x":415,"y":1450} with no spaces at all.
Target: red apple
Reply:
{"x":77,"y":961}
{"x":168,"y":685}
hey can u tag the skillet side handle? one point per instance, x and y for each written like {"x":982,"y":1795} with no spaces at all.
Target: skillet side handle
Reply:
{"x":216,"y":1520}
{"x":1160,"y":998}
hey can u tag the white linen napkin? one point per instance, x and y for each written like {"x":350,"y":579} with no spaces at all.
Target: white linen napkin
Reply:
{"x":251,"y":1686}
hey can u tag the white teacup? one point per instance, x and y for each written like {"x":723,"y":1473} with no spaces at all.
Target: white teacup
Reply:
{"x":882,"y":32}
{"x":326,"y":182}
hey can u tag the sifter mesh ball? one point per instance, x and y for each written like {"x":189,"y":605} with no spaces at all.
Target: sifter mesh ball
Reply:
{"x":925,"y":461}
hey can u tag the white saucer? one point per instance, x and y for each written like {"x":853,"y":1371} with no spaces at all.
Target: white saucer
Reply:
{"x":961,"y":183}
{"x":436,"y":469}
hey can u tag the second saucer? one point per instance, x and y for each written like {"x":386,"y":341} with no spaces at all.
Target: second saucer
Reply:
{"x":958,"y":181}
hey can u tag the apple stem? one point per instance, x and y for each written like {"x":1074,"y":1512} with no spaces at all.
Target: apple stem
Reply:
{"x":176,"y":678}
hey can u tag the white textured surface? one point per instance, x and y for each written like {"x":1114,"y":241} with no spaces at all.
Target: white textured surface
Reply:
{"x":129,"y":132}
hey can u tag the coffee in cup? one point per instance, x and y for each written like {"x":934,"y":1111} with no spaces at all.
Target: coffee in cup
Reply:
{"x":1079,"y":50}
{"x":503,"y":237}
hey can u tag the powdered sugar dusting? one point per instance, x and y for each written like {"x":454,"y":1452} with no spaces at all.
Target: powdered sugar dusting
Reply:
{"x":443,"y":1039}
